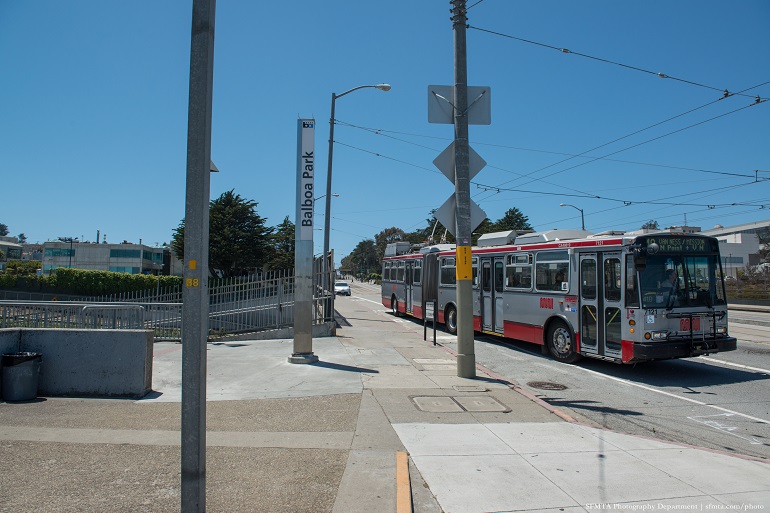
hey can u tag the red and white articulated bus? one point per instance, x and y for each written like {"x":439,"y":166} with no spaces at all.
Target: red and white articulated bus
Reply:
{"x":624,"y":298}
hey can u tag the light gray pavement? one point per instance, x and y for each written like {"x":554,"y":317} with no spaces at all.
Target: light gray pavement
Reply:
{"x":324,"y":437}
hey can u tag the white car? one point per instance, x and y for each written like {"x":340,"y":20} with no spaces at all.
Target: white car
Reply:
{"x":342,"y":288}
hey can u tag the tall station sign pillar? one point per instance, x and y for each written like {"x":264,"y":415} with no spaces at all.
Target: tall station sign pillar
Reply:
{"x":303,"y":248}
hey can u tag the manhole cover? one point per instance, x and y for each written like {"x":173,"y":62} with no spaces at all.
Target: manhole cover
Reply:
{"x":546,"y":385}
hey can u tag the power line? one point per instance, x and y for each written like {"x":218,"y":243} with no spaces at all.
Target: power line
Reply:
{"x":581,"y":194}
{"x":386,"y":157}
{"x":635,"y":202}
{"x":383,"y":132}
{"x":723,"y":90}
{"x":628,"y":148}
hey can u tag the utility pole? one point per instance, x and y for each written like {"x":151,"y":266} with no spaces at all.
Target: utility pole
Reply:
{"x":195,"y":308}
{"x":466,"y":357}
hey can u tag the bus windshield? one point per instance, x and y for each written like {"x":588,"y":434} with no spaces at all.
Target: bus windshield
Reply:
{"x":681,"y":280}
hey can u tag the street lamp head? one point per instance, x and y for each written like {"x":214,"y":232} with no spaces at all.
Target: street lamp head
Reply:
{"x":563,"y":205}
{"x":383,"y":87}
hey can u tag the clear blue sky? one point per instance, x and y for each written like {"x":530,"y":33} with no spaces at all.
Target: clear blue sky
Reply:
{"x":93,"y":122}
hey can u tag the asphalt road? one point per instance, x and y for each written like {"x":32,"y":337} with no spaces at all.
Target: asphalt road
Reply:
{"x":719,"y":402}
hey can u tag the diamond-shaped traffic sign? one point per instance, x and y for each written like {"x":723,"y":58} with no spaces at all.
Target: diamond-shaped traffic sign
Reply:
{"x":445,"y":162}
{"x":447,"y":215}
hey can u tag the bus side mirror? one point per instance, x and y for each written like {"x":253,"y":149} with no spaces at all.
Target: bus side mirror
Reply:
{"x":640,"y":255}
{"x":640,"y":259}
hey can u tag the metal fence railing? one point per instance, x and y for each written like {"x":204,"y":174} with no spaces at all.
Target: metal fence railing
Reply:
{"x":236,"y":305}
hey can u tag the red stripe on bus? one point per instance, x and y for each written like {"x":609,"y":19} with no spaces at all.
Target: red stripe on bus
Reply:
{"x":476,"y":323}
{"x":550,"y":245}
{"x":441,"y":316}
{"x":386,"y":303}
{"x":626,"y":350}
{"x":525,"y":332}
{"x":417,"y":311}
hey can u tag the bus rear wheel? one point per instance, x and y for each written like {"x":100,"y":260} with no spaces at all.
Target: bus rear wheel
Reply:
{"x":560,"y":343}
{"x":394,"y":306}
{"x":450,"y":319}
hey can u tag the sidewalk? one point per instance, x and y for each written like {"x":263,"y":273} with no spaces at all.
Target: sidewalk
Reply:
{"x":324,"y":438}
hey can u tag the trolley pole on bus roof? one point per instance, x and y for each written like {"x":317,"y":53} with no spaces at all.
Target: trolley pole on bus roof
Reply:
{"x":466,"y":357}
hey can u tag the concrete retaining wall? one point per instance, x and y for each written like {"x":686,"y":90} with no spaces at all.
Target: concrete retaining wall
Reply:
{"x":327,"y":329}
{"x":106,"y":363}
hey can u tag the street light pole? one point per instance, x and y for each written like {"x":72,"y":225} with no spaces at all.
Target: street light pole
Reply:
{"x":327,"y":215}
{"x":70,"y":240}
{"x":582,"y":219}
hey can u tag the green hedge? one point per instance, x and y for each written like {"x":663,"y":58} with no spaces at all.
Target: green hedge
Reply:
{"x":97,"y":283}
{"x":23,"y":275}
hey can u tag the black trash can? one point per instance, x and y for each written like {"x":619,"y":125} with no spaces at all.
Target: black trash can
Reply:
{"x":20,"y":376}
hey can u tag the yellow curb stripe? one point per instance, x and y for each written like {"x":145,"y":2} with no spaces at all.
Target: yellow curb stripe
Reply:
{"x":403,"y":485}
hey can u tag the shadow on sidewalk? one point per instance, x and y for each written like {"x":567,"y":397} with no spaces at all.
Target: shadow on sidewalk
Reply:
{"x":348,"y":368}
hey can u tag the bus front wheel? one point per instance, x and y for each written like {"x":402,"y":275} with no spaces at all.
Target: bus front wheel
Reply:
{"x":560,"y":343}
{"x":394,"y":306}
{"x":450,"y":318}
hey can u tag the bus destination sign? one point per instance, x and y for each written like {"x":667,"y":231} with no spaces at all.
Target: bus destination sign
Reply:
{"x":679,"y":244}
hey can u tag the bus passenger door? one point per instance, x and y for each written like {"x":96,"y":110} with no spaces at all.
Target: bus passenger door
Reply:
{"x":487,"y":300}
{"x":408,"y":282}
{"x":611,"y":287}
{"x":498,"y":281}
{"x":492,"y":279}
{"x":589,"y":304}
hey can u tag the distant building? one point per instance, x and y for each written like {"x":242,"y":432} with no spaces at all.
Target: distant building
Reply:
{"x":11,"y":250}
{"x":738,"y":245}
{"x":121,"y":258}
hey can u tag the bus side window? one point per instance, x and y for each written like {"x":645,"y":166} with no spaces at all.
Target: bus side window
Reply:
{"x":448,"y":273}
{"x":518,"y":271}
{"x":552,"y":271}
{"x":475,"y":263}
{"x":417,"y":272}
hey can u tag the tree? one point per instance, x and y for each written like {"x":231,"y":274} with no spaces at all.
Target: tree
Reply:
{"x":282,"y":246}
{"x":22,"y":238}
{"x":513,"y":219}
{"x":652,"y":224}
{"x":385,"y":237}
{"x":3,"y":230}
{"x":362,"y":260}
{"x":238,"y":237}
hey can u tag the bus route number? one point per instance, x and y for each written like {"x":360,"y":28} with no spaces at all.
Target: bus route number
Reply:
{"x":546,"y":302}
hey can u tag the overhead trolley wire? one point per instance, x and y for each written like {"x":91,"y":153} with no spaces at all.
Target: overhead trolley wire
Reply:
{"x":723,"y":90}
{"x":383,"y":132}
{"x":594,"y":159}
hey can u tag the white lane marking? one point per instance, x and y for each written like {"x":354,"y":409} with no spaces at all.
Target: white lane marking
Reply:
{"x":364,"y":299}
{"x":721,"y":362}
{"x":650,"y":389}
{"x":708,"y":421}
